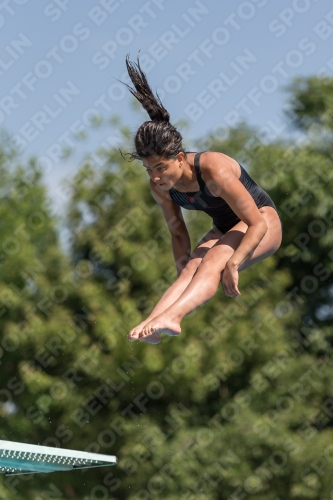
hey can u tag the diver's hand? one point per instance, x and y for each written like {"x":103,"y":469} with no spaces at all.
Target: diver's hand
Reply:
{"x":229,"y":280}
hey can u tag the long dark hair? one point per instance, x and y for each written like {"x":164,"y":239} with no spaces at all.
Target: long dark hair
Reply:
{"x":156,"y":137}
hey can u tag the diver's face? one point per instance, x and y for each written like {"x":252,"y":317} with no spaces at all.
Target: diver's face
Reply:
{"x":164,"y":172}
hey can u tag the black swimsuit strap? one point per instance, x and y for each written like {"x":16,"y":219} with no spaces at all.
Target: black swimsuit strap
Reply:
{"x":197,"y":169}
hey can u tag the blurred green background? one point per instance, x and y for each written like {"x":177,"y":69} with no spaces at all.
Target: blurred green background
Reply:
{"x":240,"y":405}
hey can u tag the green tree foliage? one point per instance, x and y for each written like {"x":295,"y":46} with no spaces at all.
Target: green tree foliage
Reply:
{"x":312,"y":104}
{"x":239,"y":406}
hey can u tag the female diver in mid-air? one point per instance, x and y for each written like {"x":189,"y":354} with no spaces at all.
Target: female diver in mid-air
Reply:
{"x":246,"y":226}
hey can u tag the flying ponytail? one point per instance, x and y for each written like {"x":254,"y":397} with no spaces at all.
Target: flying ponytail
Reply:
{"x":144,"y":94}
{"x":156,"y":137}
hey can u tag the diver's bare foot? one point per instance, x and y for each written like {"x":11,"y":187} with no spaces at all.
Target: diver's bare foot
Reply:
{"x":155,"y":338}
{"x":160,"y":324}
{"x":135,"y":332}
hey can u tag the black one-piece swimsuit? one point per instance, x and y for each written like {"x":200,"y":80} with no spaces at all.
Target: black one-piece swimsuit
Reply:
{"x":217,"y":208}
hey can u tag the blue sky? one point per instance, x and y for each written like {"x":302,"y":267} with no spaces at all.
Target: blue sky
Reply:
{"x":214,"y":63}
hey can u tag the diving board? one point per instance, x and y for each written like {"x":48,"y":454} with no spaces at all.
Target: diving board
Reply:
{"x":21,"y":458}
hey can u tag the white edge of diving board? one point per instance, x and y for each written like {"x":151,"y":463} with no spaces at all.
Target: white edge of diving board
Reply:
{"x":56,"y":452}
